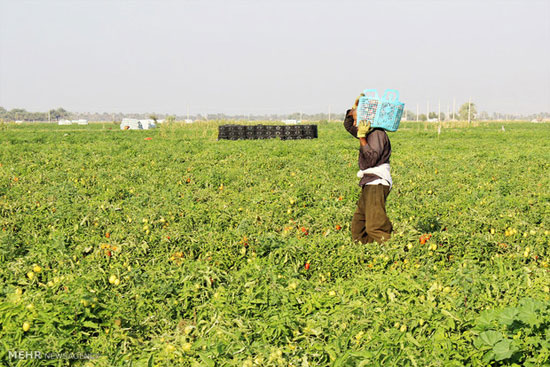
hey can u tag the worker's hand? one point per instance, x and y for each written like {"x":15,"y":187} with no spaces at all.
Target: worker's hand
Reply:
{"x":363,"y":128}
{"x":354,"y":115}
{"x":354,"y":109}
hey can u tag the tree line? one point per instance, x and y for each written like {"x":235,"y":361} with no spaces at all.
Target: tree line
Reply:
{"x":20,"y":114}
{"x":54,"y":115}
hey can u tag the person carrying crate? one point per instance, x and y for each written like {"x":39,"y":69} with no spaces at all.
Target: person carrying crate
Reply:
{"x":370,"y":222}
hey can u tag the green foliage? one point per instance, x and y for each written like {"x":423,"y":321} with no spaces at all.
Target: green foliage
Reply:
{"x":428,"y":224}
{"x":183,"y":250}
{"x":58,"y":114}
{"x":520,"y":333}
{"x":463,"y":112}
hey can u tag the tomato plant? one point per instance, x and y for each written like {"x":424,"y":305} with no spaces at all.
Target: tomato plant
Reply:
{"x":185,"y":250}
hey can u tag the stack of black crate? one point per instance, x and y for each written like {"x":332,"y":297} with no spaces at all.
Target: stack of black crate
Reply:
{"x":291,"y":132}
{"x":283,"y":132}
{"x":250,"y":131}
{"x":263,"y":132}
{"x":224,"y":132}
{"x":309,"y":131}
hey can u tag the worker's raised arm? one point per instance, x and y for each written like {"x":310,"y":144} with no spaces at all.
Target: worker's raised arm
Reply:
{"x":349,"y":122}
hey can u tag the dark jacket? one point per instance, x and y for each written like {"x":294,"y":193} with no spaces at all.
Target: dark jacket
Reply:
{"x":376,"y":152}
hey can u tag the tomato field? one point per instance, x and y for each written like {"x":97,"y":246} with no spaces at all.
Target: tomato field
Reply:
{"x":184,"y":250}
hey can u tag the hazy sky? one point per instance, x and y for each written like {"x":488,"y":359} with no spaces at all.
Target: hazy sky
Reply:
{"x":272,"y":56}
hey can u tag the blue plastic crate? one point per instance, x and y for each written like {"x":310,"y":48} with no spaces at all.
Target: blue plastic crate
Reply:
{"x":382,"y":112}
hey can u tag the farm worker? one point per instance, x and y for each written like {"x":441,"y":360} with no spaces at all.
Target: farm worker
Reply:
{"x":370,"y":222}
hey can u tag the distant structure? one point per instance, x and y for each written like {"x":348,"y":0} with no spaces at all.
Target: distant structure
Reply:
{"x":188,"y":121}
{"x":70,"y":122}
{"x":290,"y":122}
{"x":137,"y":124}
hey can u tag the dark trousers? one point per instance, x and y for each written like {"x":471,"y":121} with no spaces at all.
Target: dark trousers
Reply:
{"x":370,"y":222}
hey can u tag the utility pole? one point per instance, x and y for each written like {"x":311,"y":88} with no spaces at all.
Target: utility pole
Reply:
{"x":439,"y":110}
{"x":49,"y":117}
{"x":469,"y":104}
{"x":417,"y":112}
{"x":454,"y":107}
{"x":328,"y":113}
{"x":448,"y":112}
{"x":427,"y":111}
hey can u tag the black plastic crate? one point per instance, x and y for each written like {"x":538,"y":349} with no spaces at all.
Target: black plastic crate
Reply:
{"x":283,"y":132}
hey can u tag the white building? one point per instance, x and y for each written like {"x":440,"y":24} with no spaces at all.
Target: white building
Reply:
{"x":137,"y":124}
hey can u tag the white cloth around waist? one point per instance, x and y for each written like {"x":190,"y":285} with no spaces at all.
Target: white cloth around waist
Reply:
{"x":382,"y":171}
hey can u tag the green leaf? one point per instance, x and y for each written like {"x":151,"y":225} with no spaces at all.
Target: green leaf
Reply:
{"x":207,"y":360}
{"x":488,"y":357}
{"x":90,"y":324}
{"x":503,"y":349}
{"x":485,"y":320}
{"x":508,"y":316}
{"x":529,"y":317}
{"x":488,"y":338}
{"x":448,"y":314}
{"x":412,"y":340}
{"x":533,"y":340}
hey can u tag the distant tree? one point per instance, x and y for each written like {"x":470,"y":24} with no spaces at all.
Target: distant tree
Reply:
{"x":170,"y":119}
{"x":153,"y":117}
{"x":38,"y":116}
{"x":409,"y":115}
{"x":422,"y":117}
{"x":59,"y":113}
{"x":483,"y":115}
{"x":463,"y":112}
{"x":18,"y":114}
{"x":436,"y":115}
{"x":4,"y":114}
